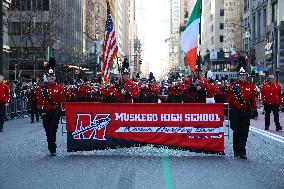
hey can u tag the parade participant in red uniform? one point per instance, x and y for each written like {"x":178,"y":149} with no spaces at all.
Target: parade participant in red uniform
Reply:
{"x":272,"y":99}
{"x":210,"y":91}
{"x":32,"y":99}
{"x":82,"y":91}
{"x":72,"y":92}
{"x":195,"y":91}
{"x":4,"y":101}
{"x":129,"y":90}
{"x":241,"y":98}
{"x":49,"y":104}
{"x":175,"y":92}
{"x":154,"y":91}
{"x":220,"y":92}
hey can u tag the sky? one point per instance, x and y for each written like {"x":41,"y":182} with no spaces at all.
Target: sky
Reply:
{"x":153,"y":21}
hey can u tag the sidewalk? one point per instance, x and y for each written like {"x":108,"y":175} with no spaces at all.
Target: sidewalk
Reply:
{"x":260,"y":123}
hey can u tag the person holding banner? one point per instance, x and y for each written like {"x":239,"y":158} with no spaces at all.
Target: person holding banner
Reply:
{"x":195,"y":91}
{"x":241,"y":98}
{"x":4,"y":101}
{"x":128,"y":89}
{"x":50,"y":98}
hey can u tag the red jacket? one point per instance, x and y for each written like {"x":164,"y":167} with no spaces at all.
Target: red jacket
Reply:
{"x":271,"y":93}
{"x":131,"y":88}
{"x":4,"y":93}
{"x":56,"y":95}
{"x":248,"y":93}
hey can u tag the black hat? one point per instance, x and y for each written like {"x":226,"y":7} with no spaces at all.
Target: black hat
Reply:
{"x":242,"y":71}
{"x":50,"y":72}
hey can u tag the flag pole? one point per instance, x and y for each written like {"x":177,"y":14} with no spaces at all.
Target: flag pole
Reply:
{"x":199,"y":56}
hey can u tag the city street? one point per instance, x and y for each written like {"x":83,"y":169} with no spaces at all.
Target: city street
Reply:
{"x":25,"y":163}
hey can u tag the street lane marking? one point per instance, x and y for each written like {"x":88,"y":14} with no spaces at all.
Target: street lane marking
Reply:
{"x":267,"y":135}
{"x":166,"y":168}
{"x":272,"y":134}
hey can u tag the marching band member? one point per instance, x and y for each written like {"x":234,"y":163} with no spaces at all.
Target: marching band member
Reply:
{"x":271,"y":97}
{"x":241,"y":98}
{"x":50,"y":98}
{"x":4,"y":101}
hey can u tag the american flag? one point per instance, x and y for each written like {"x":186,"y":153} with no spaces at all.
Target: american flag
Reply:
{"x":109,"y":48}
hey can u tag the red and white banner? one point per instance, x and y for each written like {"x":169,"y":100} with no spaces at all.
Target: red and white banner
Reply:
{"x":101,"y":125}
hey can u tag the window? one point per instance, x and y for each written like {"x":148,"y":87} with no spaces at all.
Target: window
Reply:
{"x":45,"y":5}
{"x":221,"y":12}
{"x":258,"y":25}
{"x":98,"y":10}
{"x":212,"y":29}
{"x":212,"y":40}
{"x":221,"y":38}
{"x":274,"y":12}
{"x":221,"y":25}
{"x":253,"y":27}
{"x":14,"y":28}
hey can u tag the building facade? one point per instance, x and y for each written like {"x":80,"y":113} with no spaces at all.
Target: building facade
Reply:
{"x":173,"y":40}
{"x":232,"y":25}
{"x":212,"y":34}
{"x":40,"y":29}
{"x":6,"y":45}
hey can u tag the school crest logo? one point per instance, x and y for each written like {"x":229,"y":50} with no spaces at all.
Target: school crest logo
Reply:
{"x":91,"y":127}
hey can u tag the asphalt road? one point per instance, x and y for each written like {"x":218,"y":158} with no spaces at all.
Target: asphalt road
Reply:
{"x":25,"y":163}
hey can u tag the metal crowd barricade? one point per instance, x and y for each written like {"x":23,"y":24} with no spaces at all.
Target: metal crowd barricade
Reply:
{"x":227,"y":119}
{"x":63,"y":121}
{"x":63,"y":124}
{"x":18,"y":108}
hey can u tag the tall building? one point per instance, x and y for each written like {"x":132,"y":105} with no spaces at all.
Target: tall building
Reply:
{"x":212,"y":34}
{"x":173,"y":41}
{"x":262,"y":39}
{"x":39,"y":29}
{"x":254,"y":37}
{"x":121,"y":19}
{"x":135,"y":46}
{"x":232,"y":25}
{"x":6,"y":45}
{"x":94,"y":16}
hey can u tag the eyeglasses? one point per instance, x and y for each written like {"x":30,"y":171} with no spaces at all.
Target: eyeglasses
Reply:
{"x":269,"y":78}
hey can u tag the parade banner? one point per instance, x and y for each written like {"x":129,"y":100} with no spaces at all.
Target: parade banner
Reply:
{"x":92,"y":126}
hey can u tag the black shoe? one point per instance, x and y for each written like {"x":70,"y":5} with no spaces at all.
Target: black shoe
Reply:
{"x":1,"y":130}
{"x":52,"y":154}
{"x":243,"y":156}
{"x":37,"y":120}
{"x":236,"y":154}
{"x":278,"y":128}
{"x":266,"y":128}
{"x":32,"y":121}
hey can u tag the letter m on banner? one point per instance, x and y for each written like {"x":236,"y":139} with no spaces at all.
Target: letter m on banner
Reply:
{"x":88,"y":128}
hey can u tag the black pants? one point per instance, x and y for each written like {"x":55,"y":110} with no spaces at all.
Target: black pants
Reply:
{"x":34,"y":112}
{"x":240,"y":122}
{"x":275,"y":109}
{"x":50,"y":124}
{"x":2,"y":115}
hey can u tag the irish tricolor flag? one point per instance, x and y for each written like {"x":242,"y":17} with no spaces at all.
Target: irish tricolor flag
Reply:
{"x":189,"y":39}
